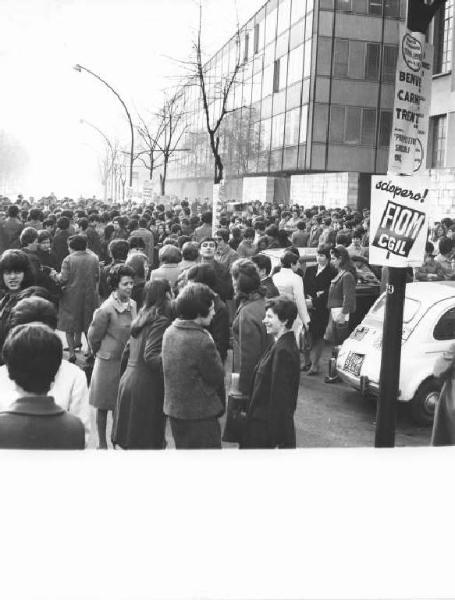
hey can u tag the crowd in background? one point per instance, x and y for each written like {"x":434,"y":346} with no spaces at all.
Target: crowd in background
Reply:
{"x":161,"y":296}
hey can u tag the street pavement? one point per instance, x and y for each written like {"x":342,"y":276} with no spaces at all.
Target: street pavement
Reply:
{"x":329,"y":416}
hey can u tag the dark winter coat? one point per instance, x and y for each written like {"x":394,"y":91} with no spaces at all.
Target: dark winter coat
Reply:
{"x":273,"y":399}
{"x":193,"y":372}
{"x":313,"y":283}
{"x":38,"y":423}
{"x":139,"y":420}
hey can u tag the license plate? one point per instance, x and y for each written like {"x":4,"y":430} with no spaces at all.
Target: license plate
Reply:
{"x":353,"y":363}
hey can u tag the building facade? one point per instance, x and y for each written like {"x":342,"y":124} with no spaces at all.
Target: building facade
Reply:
{"x":312,"y":106}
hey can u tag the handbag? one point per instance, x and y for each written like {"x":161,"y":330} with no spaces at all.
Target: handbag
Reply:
{"x":236,"y":413}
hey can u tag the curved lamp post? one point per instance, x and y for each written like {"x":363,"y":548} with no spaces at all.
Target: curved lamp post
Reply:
{"x":80,"y":68}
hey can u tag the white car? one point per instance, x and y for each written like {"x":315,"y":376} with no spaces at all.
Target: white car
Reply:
{"x":428,"y":331}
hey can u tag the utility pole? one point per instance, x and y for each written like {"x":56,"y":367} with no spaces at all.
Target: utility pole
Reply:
{"x":418,"y":19}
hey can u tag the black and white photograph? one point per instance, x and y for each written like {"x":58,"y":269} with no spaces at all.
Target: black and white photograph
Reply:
{"x":227,"y":228}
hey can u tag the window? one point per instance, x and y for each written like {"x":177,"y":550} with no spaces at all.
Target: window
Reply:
{"x":276,"y":75}
{"x":385,"y":127}
{"x":284,"y":15}
{"x":303,"y":123}
{"x":445,"y":328}
{"x":340,"y":65}
{"x":337,"y":124}
{"x":344,"y":5}
{"x":307,"y":60}
{"x":443,"y":38}
{"x":270,"y":26}
{"x":298,"y":10}
{"x":368,"y":127}
{"x":439,"y":141}
{"x":372,"y":62}
{"x":267,"y":84}
{"x":375,"y":7}
{"x":291,"y":135}
{"x":295,"y":67}
{"x":278,"y":131}
{"x":389,"y":63}
{"x":247,"y":41}
{"x":392,"y":8}
{"x":352,"y":131}
{"x":256,"y":38}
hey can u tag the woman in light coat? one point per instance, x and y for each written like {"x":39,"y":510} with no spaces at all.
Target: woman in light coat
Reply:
{"x":107,"y":337}
{"x":290,"y":284}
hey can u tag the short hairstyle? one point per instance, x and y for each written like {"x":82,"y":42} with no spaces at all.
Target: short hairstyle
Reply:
{"x":246,"y":275}
{"x":136,"y":242}
{"x":429,"y":248}
{"x":248,"y":233}
{"x":346,"y":262}
{"x":194,"y":301}
{"x":223,"y":234}
{"x":35,"y":214}
{"x":207,"y":217}
{"x":28,"y":236}
{"x":324,"y":251}
{"x":343,"y":238}
{"x":117,"y":272}
{"x":13,"y":211}
{"x":136,"y":262}
{"x":209,"y":239}
{"x":445,"y":245}
{"x":358,"y":233}
{"x":272,"y":231}
{"x":33,"y":309}
{"x":190,"y":251}
{"x":63,"y":223}
{"x":284,"y":308}
{"x":43,"y":235}
{"x":19,"y":262}
{"x":33,"y":355}
{"x":77,"y":242}
{"x":142,"y":223}
{"x":169,"y":254}
{"x":202,"y":273}
{"x":118,"y":249}
{"x":262,"y":261}
{"x":288,"y":259}
{"x":83,"y":223}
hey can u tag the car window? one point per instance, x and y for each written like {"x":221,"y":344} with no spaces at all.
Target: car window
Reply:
{"x":411,"y":307}
{"x":445,"y":328}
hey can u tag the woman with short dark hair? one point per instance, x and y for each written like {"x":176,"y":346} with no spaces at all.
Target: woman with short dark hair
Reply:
{"x":16,"y":275}
{"x":249,"y":335}
{"x":139,"y":421}
{"x":275,"y":382}
{"x":107,"y":336}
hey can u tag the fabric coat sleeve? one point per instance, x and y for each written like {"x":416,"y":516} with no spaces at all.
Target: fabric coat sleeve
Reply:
{"x":299,"y":295}
{"x":280,"y":390}
{"x":65,"y":271}
{"x":250,"y":343}
{"x":348,"y":283}
{"x":209,"y":362}
{"x":79,"y":405}
{"x":98,"y":328}
{"x":154,"y":344}
{"x":220,"y":331}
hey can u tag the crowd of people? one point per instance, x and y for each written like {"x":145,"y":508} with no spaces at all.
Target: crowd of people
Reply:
{"x":158,"y":297}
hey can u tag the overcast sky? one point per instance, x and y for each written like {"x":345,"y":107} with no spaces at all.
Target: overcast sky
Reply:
{"x":127,"y":42}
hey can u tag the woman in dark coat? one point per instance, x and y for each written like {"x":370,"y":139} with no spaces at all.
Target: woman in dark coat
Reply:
{"x":139,"y":421}
{"x":317,"y":283}
{"x":275,"y":387}
{"x":16,"y":275}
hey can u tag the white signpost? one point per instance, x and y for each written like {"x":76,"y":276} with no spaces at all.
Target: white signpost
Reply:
{"x":218,"y":200}
{"x":408,"y":143}
{"x":399,"y":218}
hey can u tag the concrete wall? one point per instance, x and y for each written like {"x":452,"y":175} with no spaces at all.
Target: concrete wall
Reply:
{"x":333,"y":190}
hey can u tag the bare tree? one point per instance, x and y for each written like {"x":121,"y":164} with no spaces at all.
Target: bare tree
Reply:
{"x":149,"y":138}
{"x":173,"y":126}
{"x":215,"y":95}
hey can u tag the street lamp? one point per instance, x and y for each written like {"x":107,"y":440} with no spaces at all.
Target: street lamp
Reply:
{"x":80,"y":68}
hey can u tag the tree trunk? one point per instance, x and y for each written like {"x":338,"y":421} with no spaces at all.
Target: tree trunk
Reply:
{"x":163,"y":176}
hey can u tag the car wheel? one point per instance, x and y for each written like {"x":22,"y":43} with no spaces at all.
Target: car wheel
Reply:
{"x":424,"y":402}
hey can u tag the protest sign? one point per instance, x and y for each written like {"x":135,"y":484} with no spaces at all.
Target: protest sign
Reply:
{"x":409,"y":137}
{"x":400,"y":208}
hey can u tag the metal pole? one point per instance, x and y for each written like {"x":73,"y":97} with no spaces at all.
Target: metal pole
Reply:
{"x":390,"y":358}
{"x":80,"y":68}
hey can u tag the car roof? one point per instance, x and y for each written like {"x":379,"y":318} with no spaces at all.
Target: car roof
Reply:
{"x":430,"y":292}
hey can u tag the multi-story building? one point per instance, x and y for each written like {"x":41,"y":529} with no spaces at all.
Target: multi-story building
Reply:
{"x":313,"y":104}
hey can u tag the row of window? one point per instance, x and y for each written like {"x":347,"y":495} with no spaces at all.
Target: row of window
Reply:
{"x":442,"y":37}
{"x":344,"y":57}
{"x":355,"y":125}
{"x":386,"y":8}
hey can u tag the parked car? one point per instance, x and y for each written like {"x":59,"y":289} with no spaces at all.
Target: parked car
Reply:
{"x":428,"y":331}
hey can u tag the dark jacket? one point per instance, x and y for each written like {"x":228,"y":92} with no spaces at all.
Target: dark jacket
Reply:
{"x":271,"y":291}
{"x":223,"y":285}
{"x":219,"y":328}
{"x":193,"y":372}
{"x":342,"y":292}
{"x":60,"y":245}
{"x":314,"y":283}
{"x":273,"y":398}
{"x":38,"y":423}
